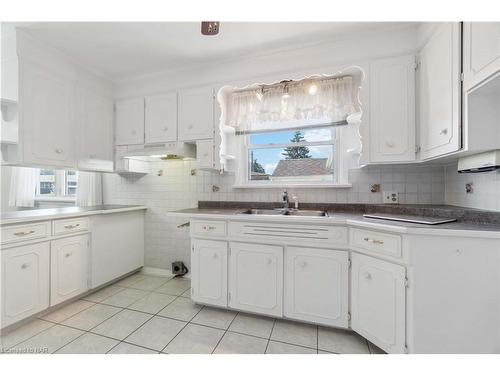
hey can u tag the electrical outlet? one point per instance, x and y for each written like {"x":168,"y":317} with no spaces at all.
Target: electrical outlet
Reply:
{"x":391,"y":197}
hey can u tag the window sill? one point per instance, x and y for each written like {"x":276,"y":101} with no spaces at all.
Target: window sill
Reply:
{"x":56,"y":199}
{"x":290,"y":186}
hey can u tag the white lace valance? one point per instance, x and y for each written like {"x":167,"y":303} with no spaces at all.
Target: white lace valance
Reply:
{"x":301,"y":104}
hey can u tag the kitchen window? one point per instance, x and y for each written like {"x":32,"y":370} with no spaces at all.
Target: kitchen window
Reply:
{"x":293,"y":156}
{"x":57,"y":185}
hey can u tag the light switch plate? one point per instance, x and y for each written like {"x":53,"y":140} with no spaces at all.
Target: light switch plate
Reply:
{"x":391,"y":197}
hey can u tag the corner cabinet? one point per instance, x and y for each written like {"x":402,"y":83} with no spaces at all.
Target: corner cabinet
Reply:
{"x":440,"y":92}
{"x":481,"y":42}
{"x":129,"y":121}
{"x":24,"y":281}
{"x":46,"y":116}
{"x":196,"y":114}
{"x":209,"y":272}
{"x":392,"y":110}
{"x":256,"y":278}
{"x":69,"y":261}
{"x":378,"y":302}
{"x":316,"y":285}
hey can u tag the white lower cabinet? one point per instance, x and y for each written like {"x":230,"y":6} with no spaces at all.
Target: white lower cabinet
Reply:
{"x":316,"y":285}
{"x":209,"y":272}
{"x":256,"y":278}
{"x":68,"y":268}
{"x":25,"y":281}
{"x":378,"y":302}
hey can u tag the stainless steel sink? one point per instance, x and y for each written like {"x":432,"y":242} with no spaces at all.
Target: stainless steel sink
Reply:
{"x":283,"y":212}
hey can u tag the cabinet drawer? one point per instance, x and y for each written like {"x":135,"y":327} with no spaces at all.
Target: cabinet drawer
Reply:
{"x":208,"y":228}
{"x":16,"y":233}
{"x":382,"y":243}
{"x":71,"y":225}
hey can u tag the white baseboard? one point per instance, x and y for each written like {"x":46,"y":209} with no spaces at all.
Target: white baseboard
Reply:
{"x":153,"y":271}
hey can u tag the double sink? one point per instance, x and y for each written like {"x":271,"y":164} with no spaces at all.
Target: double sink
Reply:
{"x":283,"y":212}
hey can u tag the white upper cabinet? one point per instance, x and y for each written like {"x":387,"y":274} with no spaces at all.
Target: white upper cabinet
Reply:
{"x":47,"y":116}
{"x":440,"y":92}
{"x":205,"y":154}
{"x":392,"y":112}
{"x":129,"y":121}
{"x":95,"y":125}
{"x":316,"y":286}
{"x":256,"y":278}
{"x":209,"y":273}
{"x":378,"y":302}
{"x":69,"y":263}
{"x":481,"y":52}
{"x":161,"y":118}
{"x":24,"y":281}
{"x":196,"y":114}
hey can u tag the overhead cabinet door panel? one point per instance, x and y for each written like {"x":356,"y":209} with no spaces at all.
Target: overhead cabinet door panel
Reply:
{"x":440,"y":92}
{"x":129,"y":121}
{"x":196,"y":114}
{"x":161,"y":118}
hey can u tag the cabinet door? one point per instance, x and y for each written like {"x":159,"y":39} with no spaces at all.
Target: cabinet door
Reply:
{"x":209,"y":272}
{"x":161,"y":118}
{"x":129,"y":121}
{"x":316,"y":285}
{"x":392,"y":113}
{"x":47,"y":117}
{"x":481,"y":51}
{"x":205,"y":153}
{"x":196,"y":114}
{"x":256,"y":278}
{"x":95,"y":119}
{"x":378,"y":300}
{"x":440,"y":92}
{"x":68,"y":268}
{"x":25,"y":281}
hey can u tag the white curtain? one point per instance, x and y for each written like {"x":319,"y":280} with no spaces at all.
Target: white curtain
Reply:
{"x":23,"y":185}
{"x":89,"y":190}
{"x":329,"y":101}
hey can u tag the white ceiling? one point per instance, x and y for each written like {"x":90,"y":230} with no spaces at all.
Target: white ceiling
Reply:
{"x":122,"y":49}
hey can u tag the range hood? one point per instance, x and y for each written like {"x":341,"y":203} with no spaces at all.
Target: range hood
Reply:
{"x":165,"y":151}
{"x":484,"y":162}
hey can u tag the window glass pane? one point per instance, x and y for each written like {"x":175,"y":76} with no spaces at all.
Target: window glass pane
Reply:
{"x":295,"y":163}
{"x":47,"y":182}
{"x":71,"y":178}
{"x":284,"y":137}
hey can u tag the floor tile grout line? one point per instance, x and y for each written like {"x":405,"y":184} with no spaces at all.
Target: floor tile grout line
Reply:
{"x":189,"y":322}
{"x":270,"y":334}
{"x":226,"y":331}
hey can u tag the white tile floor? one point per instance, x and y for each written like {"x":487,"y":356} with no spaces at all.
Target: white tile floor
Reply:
{"x":144,"y":314}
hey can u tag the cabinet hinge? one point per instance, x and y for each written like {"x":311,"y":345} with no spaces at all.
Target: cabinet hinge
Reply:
{"x":192,"y":248}
{"x":349,"y":263}
{"x":229,"y":296}
{"x":348,"y":316}
{"x":462,"y":76}
{"x":407,"y":283}
{"x":406,"y":349}
{"x":417,"y":149}
{"x":416,"y":65}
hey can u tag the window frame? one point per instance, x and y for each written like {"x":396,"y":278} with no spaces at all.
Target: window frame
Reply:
{"x":243,"y":165}
{"x":61,"y":187}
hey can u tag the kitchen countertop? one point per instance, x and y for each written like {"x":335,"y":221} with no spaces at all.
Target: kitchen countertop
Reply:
{"x":13,"y":217}
{"x":351,"y":218}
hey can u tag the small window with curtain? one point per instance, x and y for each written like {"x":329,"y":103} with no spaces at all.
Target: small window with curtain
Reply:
{"x":289,"y":133}
{"x":57,"y":185}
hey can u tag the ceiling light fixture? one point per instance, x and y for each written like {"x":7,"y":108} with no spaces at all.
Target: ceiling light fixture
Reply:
{"x":210,"y":27}
{"x":260,"y":94}
{"x":286,"y":94}
{"x":313,"y":89}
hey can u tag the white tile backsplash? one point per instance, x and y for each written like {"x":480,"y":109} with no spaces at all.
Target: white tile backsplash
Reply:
{"x":486,"y":189}
{"x":177,"y":189}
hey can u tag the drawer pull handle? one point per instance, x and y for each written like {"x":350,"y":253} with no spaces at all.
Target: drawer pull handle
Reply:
{"x":72,"y":226}
{"x":376,"y":242}
{"x":303,"y":264}
{"x":24,"y":266}
{"x":24,"y":233}
{"x":67,"y":255}
{"x":367,"y":275}
{"x":209,"y":227}
{"x":214,"y":256}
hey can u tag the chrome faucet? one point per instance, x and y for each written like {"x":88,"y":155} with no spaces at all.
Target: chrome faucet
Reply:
{"x":286,"y":201}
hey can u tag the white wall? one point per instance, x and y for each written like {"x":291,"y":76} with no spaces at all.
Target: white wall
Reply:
{"x":486,"y":189}
{"x":177,"y":189}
